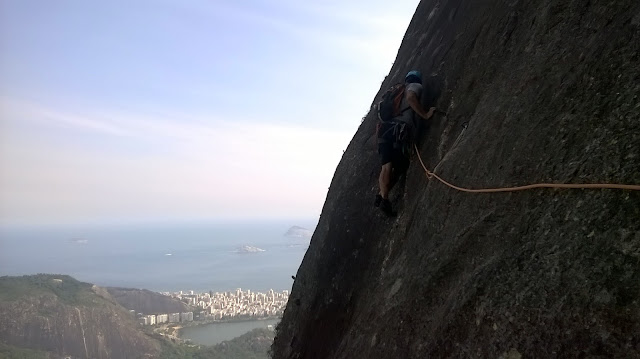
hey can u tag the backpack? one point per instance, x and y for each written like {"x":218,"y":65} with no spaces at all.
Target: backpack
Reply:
{"x":389,"y":106}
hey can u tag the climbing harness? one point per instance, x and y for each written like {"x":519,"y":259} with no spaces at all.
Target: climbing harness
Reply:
{"x":431,"y":175}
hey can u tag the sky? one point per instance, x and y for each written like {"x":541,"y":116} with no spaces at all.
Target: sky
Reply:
{"x":183,"y":109}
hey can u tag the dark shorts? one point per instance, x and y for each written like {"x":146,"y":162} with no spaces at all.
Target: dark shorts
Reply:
{"x":390,"y":153}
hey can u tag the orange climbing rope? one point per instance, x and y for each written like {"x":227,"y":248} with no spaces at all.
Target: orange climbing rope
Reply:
{"x":431,"y":175}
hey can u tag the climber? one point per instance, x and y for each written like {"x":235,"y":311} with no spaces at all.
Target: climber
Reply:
{"x":395,"y":137}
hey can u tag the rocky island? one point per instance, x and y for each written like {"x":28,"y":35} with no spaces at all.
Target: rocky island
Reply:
{"x":249,"y":249}
{"x":298,"y":232}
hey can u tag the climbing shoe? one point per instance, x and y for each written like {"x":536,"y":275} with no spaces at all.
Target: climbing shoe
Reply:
{"x":385,"y":206}
{"x":378,"y":200}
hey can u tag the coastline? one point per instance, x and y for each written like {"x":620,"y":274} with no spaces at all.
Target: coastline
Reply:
{"x":218,"y":332}
{"x":178,"y":328}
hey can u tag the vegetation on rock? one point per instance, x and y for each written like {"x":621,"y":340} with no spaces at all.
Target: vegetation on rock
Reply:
{"x":252,"y":345}
{"x":67,"y":289}
{"x":52,"y":316}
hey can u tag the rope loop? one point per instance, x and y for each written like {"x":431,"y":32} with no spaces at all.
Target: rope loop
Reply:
{"x":428,"y":173}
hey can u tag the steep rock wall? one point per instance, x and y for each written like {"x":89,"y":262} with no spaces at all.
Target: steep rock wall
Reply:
{"x":550,"y":92}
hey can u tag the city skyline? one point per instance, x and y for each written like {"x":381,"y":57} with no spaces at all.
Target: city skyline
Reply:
{"x":218,"y":306}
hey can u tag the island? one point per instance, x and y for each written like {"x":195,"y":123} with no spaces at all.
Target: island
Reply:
{"x":298,"y":232}
{"x":249,"y":249}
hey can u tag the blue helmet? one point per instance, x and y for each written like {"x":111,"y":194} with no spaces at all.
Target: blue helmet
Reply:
{"x":414,"y":73}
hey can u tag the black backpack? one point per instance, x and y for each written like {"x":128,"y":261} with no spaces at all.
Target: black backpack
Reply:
{"x":389,"y":106}
{"x":388,"y":130}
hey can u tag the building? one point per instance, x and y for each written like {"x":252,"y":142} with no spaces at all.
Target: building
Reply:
{"x":186,"y":317}
{"x":151,"y":319}
{"x":162,"y":318}
{"x":174,"y":317}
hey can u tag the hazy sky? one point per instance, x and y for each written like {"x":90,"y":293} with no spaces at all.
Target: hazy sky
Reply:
{"x":183,"y":109}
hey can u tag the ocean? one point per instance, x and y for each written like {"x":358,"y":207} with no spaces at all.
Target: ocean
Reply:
{"x":161,"y":257}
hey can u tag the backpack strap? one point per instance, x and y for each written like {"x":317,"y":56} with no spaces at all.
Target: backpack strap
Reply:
{"x":382,"y":138}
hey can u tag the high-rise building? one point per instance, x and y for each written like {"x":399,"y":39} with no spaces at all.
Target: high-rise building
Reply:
{"x":174,"y":317}
{"x":162,"y":318}
{"x":186,"y":317}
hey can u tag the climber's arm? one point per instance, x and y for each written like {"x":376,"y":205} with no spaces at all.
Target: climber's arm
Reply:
{"x":414,"y":102}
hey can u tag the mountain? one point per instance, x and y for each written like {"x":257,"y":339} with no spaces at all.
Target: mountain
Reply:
{"x":534,"y":91}
{"x":56,"y":316}
{"x":64,"y":317}
{"x":146,"y":301}
{"x":252,"y":345}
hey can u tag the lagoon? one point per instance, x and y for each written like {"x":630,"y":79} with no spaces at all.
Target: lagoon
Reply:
{"x":215,"y":333}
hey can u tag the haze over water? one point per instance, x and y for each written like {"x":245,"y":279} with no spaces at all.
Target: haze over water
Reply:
{"x":160,"y":257}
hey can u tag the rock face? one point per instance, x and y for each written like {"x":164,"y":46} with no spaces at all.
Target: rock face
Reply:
{"x":146,"y":301}
{"x":65,"y":317}
{"x":550,"y":91}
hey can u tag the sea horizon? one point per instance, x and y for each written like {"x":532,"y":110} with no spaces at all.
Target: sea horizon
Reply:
{"x":164,"y":257}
